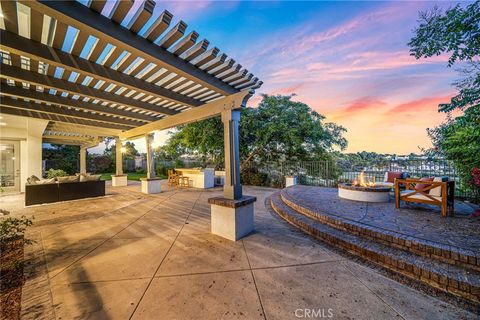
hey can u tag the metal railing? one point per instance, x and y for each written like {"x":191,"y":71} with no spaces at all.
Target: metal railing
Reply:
{"x":330,"y":173}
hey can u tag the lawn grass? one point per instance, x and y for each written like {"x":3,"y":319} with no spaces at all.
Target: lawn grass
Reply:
{"x":131,"y":176}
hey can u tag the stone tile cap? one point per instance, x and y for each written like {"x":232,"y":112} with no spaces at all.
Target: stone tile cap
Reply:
{"x":119,"y":175}
{"x":231,"y":203}
{"x":150,"y":179}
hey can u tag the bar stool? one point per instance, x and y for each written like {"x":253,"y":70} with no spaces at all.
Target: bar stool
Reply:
{"x":183,"y":182}
{"x":172,"y":178}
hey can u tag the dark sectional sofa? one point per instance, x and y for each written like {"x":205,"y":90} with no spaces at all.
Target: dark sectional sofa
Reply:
{"x":54,"y":192}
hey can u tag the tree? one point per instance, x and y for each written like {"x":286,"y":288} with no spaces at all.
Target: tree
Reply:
{"x":129,"y":153}
{"x":99,"y":163}
{"x":59,"y":156}
{"x":282,"y":129}
{"x":459,"y":140}
{"x":456,"y":32}
{"x":278,"y":129}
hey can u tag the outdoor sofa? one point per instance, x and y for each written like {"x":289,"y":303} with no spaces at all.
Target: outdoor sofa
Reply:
{"x":434,"y":191}
{"x":63,"y":190}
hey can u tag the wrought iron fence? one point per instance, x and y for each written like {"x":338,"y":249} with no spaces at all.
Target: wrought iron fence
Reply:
{"x":330,"y":173}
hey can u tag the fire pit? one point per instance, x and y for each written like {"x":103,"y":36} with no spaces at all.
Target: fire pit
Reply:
{"x":363,"y":190}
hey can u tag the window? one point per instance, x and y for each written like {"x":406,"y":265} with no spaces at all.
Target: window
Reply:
{"x":5,"y":57}
{"x":25,"y":62}
{"x":42,"y":67}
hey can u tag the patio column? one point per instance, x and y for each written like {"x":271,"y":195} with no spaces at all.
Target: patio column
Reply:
{"x":150,"y":184}
{"x":118,"y":157}
{"x":150,"y":159}
{"x":83,"y":159}
{"x":232,"y":189}
{"x":232,"y":214}
{"x":119,"y":179}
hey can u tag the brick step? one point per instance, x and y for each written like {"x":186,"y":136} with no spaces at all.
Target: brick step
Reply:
{"x":444,"y":253}
{"x":455,"y":280}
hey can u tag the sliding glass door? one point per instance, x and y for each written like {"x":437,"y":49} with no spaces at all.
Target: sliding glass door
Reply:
{"x":10,"y":166}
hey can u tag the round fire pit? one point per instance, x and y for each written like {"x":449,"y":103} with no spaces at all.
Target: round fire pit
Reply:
{"x":364,"y":194}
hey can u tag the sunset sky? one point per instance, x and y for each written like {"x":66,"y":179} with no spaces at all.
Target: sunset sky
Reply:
{"x":347,"y":60}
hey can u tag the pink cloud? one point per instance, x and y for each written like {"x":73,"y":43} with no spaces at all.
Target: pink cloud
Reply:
{"x":359,"y":107}
{"x":419,"y":106}
{"x":363,"y":104}
{"x":288,"y":90}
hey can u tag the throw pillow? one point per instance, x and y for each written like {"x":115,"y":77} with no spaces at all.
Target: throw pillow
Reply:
{"x":420,"y":186}
{"x":392,"y":175}
{"x":437,"y":191}
{"x":67,"y":179}
{"x":95,"y":177}
{"x":32,"y":179}
{"x":44,"y":181}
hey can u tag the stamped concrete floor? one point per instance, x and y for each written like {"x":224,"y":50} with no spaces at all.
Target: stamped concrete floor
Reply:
{"x":135,"y":256}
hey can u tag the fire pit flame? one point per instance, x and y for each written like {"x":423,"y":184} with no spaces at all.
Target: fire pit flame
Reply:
{"x":363,"y":182}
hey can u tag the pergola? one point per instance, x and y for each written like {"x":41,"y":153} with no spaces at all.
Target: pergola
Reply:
{"x":101,"y":69}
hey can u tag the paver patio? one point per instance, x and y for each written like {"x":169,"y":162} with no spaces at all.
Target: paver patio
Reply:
{"x":135,"y":256}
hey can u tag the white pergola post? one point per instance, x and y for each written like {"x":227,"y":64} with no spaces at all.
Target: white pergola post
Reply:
{"x":151,"y":184}
{"x":83,"y":159}
{"x":150,"y":159}
{"x":232,"y":214}
{"x":119,"y":179}
{"x":118,"y":157}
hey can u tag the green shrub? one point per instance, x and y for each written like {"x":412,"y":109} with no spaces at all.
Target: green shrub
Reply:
{"x":13,"y":228}
{"x":162,"y":170}
{"x":254,"y":178}
{"x":53,"y":173}
{"x":139,"y":171}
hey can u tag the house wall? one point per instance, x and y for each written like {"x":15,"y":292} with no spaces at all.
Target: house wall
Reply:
{"x":29,"y":132}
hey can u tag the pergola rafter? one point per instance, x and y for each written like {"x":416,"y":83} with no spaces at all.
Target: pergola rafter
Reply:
{"x":80,"y":17}
{"x":58,"y":118}
{"x":19,"y":92}
{"x":34,"y":78}
{"x":106,"y":121}
{"x":57,"y":58}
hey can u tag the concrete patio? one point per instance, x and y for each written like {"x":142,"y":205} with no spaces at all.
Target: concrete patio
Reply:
{"x":134,"y":256}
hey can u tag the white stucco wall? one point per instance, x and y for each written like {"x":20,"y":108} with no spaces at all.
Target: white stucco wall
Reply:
{"x":29,"y":132}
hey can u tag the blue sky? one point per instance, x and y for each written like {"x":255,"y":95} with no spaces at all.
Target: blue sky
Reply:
{"x":347,"y":60}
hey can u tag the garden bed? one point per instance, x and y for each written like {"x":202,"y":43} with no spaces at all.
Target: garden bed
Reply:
{"x":11,"y":278}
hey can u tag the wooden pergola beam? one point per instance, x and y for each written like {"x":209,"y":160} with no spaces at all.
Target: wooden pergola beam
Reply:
{"x":51,"y":117}
{"x":81,"y":129}
{"x":86,"y":20}
{"x":73,"y":139}
{"x":208,"y":110}
{"x":44,"y":97}
{"x":81,"y":143}
{"x":37,"y":51}
{"x":21,"y":75}
{"x":26,"y":108}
